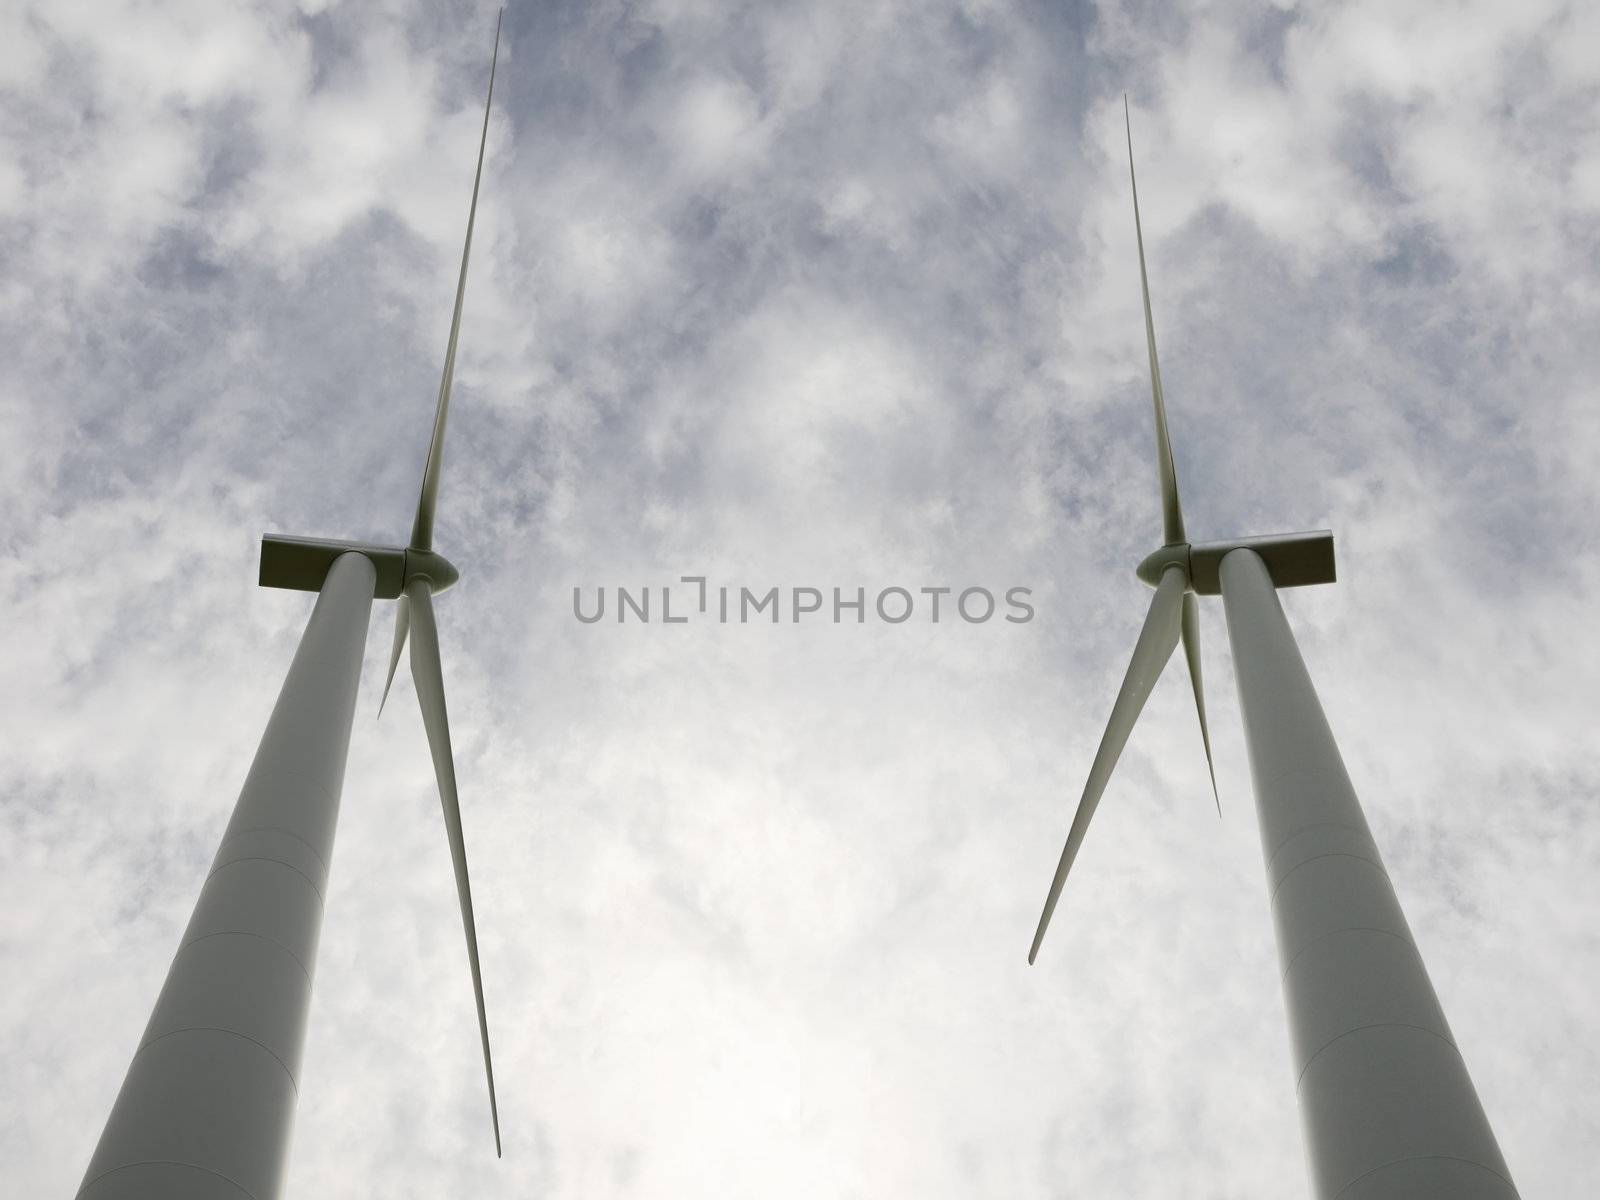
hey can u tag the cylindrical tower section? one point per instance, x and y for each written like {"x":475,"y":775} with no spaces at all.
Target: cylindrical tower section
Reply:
{"x":208,"y":1102}
{"x":1388,"y":1109}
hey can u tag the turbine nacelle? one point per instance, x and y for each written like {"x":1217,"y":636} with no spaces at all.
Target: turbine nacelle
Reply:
{"x":1292,"y":559}
{"x":302,"y":563}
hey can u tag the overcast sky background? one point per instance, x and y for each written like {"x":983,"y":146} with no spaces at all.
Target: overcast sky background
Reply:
{"x":830,"y":295}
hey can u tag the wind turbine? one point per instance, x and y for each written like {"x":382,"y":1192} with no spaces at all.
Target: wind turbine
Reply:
{"x":208,"y":1101}
{"x":1387,"y":1106}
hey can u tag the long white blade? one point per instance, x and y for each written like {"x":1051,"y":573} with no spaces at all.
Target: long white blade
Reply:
{"x":1171,"y":511}
{"x":429,"y":678}
{"x":402,"y":623}
{"x":422,"y":530}
{"x":1150,"y":654}
{"x":1191,"y":651}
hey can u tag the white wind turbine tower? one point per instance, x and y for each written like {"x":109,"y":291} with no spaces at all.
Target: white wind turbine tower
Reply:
{"x":1388,"y":1109}
{"x":208,"y":1102}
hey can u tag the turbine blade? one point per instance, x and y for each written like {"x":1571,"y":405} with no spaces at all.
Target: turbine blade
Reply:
{"x":402,"y":623}
{"x":1171,"y":511}
{"x":426,"y":673}
{"x":422,"y":529}
{"x":1154,"y":647}
{"x":1191,"y":651}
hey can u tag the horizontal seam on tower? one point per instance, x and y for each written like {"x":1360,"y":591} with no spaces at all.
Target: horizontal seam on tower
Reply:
{"x":1471,"y":1162}
{"x":245,"y":1037}
{"x":1331,"y":854}
{"x":249,"y":933}
{"x":1284,"y":974}
{"x":1299,"y":1079}
{"x":1278,"y":849}
{"x":274,"y":829}
{"x":165,"y":1162}
{"x":279,"y":861}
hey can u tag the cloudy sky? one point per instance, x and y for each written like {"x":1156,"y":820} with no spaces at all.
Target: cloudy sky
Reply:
{"x":831,"y":295}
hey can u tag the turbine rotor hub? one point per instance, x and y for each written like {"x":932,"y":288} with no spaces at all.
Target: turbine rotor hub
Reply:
{"x":1157,"y":561}
{"x":438,"y":570}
